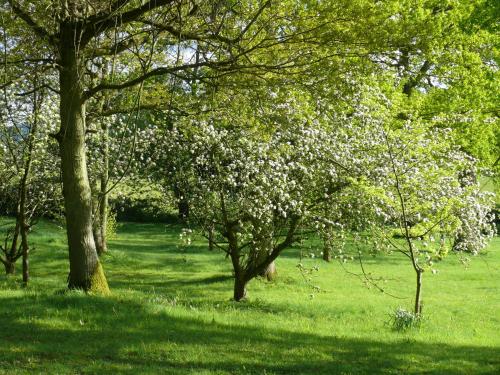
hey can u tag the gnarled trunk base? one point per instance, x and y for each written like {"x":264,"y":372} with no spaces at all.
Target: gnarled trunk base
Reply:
{"x":240,"y":290}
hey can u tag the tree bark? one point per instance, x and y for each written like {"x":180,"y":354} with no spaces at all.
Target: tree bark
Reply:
{"x":10,"y":267}
{"x":85,"y":270}
{"x":97,"y":232}
{"x":326,"y":253}
{"x":103,"y":204}
{"x":418,"y":294}
{"x":240,"y":290}
{"x":96,"y":215}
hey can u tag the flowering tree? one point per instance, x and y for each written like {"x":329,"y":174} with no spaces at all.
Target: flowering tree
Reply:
{"x":254,"y":189}
{"x":28,"y":187}
{"x":419,"y":187}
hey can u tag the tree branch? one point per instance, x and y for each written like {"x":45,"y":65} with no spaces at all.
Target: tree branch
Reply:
{"x":100,"y":23}
{"x":152,"y":73}
{"x":39,"y":30}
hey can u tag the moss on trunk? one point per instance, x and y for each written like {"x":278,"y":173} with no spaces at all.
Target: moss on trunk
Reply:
{"x":98,"y":282}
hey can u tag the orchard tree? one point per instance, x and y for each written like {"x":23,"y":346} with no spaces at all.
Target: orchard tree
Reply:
{"x":28,"y":188}
{"x":253,"y":183}
{"x":420,"y":188}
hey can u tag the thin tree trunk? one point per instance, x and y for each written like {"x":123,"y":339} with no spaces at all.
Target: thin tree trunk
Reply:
{"x":103,"y":204}
{"x":96,"y":230}
{"x":23,"y":222}
{"x":85,"y":269}
{"x":23,"y":192}
{"x":183,"y":208}
{"x":326,"y":253}
{"x":240,"y":280}
{"x":418,"y":294}
{"x":211,"y":237}
{"x":96,"y":222}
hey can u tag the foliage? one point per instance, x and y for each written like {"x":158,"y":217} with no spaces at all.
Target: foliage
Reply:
{"x":112,"y":224}
{"x":403,"y":319}
{"x":254,"y":190}
{"x":140,"y":201}
{"x":28,"y":186}
{"x":418,"y":183}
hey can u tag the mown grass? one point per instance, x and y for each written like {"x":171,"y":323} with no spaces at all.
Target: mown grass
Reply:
{"x":171,"y":313}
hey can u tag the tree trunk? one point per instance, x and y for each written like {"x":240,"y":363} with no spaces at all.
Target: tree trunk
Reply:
{"x":418,"y":302}
{"x":327,"y":237}
{"x":10,"y":267}
{"x":326,"y":253}
{"x":96,"y":221}
{"x":23,"y":192}
{"x":270,"y":272}
{"x":183,"y":207}
{"x":85,"y":270}
{"x":97,"y":232}
{"x":103,"y":204}
{"x":211,"y":238}
{"x":240,"y":290}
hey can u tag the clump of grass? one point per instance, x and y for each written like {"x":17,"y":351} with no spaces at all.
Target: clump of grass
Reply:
{"x":403,"y":319}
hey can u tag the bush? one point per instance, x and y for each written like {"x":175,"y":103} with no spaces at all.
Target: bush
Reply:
{"x":403,"y":319}
{"x":139,"y":201}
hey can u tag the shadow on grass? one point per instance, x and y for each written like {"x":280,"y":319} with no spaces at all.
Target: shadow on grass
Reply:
{"x":77,"y":333}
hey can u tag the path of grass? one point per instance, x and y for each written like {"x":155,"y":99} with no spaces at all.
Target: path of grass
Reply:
{"x":170,"y":313}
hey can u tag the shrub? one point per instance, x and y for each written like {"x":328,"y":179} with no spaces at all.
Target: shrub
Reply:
{"x":403,"y":319}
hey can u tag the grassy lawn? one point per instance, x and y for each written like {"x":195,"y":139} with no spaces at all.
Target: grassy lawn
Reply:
{"x":170,"y":313}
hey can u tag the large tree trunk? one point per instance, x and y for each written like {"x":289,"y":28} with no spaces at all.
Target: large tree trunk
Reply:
{"x":85,"y":270}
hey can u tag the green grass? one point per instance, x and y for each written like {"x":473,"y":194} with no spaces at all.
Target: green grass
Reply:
{"x":170,"y":313}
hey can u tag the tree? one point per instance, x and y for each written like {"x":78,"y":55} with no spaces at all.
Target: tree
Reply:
{"x":417,"y":191}
{"x":153,"y":39}
{"x":256,"y":181}
{"x":28,"y":189}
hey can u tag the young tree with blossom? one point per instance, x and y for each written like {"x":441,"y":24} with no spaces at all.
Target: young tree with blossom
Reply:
{"x":422,"y":197}
{"x":28,"y":187}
